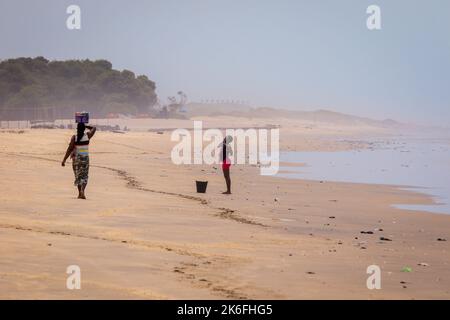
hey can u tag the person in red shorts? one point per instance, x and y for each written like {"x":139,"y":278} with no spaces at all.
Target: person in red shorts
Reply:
{"x":226,"y":162}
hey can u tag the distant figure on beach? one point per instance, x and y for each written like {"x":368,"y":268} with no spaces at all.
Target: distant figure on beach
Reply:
{"x":78,"y":150}
{"x":226,"y":162}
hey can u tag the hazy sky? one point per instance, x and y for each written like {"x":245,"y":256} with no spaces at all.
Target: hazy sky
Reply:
{"x":297,"y":54}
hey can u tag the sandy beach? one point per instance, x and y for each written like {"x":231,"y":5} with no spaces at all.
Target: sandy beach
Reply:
{"x":144,"y":233}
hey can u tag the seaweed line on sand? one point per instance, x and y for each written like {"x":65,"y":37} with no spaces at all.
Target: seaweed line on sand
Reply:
{"x":133,"y":183}
{"x":224,"y":213}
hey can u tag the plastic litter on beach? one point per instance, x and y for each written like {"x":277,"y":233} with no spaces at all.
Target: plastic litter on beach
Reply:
{"x":406,"y":269}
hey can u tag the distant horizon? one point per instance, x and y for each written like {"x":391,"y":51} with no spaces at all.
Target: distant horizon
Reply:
{"x":249,"y":104}
{"x":400,"y":121}
{"x":293,"y":55}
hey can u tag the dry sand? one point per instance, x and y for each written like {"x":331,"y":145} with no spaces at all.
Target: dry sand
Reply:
{"x":143,"y":232}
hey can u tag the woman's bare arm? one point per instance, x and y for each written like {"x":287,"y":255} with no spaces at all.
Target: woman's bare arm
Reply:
{"x":91,"y":132}
{"x":69,"y":150}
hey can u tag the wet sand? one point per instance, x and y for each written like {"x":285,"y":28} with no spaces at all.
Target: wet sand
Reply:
{"x":143,"y":232}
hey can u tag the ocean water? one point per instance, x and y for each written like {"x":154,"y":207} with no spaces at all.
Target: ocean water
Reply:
{"x":421,"y":165}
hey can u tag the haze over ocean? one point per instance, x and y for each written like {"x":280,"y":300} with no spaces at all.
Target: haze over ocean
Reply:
{"x":291,"y":54}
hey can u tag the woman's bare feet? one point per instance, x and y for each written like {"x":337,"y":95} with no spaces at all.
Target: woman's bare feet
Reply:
{"x":226,"y":192}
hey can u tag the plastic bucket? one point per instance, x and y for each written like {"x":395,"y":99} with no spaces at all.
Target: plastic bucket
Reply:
{"x":201,"y":186}
{"x":82,"y":117}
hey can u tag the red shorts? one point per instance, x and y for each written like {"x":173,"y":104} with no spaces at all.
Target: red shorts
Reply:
{"x":226,"y":165}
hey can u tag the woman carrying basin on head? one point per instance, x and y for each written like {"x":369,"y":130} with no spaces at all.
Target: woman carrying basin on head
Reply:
{"x":78,"y":150}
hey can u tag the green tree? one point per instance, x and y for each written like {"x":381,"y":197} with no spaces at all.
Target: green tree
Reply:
{"x":73,"y":84}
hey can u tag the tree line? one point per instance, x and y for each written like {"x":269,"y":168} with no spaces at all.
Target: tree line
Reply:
{"x":31,"y":88}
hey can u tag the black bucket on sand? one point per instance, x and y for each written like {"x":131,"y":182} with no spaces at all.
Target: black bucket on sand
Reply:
{"x":201,"y":186}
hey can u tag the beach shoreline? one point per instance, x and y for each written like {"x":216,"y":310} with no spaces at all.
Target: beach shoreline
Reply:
{"x":144,"y":233}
